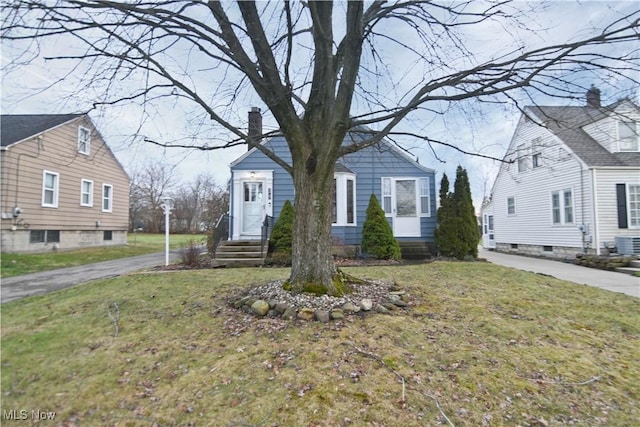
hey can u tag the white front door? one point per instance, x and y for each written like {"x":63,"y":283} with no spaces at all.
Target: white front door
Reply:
{"x":488,"y":240}
{"x":253,"y":208}
{"x":406,"y":219}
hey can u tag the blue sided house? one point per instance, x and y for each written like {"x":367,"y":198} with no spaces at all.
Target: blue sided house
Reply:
{"x":406,"y":190}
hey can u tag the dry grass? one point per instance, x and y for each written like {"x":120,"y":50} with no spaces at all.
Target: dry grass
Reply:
{"x":482,"y":345}
{"x":139,"y":244}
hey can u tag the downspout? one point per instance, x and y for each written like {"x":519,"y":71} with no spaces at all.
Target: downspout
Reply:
{"x":596,"y":236}
{"x":583,"y":226}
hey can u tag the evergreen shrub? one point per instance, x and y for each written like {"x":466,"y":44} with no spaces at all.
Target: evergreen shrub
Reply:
{"x":281,"y":236}
{"x":377,"y":235}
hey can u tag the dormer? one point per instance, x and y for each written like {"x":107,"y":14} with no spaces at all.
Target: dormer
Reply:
{"x":617,"y":127}
{"x":628,"y":135}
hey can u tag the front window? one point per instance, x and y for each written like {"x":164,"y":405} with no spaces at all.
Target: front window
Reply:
{"x":386,"y":195}
{"x":334,"y":207}
{"x":50,"y":189}
{"x":350,"y":201}
{"x":562,"y":207}
{"x":425,"y":200}
{"x":107,"y":198}
{"x":555,"y":207}
{"x":522,"y":158}
{"x":628,"y":138}
{"x":84,"y":140}
{"x":536,"y":157}
{"x":511,"y":205}
{"x":568,"y":207}
{"x":634,"y":205}
{"x":344,"y":199}
{"x":86,"y":192}
{"x":537,"y":160}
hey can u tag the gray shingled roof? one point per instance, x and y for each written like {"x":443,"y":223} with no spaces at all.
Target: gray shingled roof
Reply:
{"x":16,"y":127}
{"x":567,"y":122}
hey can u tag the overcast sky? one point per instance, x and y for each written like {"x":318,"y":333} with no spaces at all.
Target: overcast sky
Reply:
{"x":486,"y":130}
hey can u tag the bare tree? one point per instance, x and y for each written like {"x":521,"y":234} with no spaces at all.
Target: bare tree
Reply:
{"x":199,"y":204}
{"x":323,"y":70}
{"x":216,"y":204}
{"x":149,"y":185}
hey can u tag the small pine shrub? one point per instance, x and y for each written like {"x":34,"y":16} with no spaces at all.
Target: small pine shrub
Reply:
{"x":281,"y":236}
{"x":377,"y":235}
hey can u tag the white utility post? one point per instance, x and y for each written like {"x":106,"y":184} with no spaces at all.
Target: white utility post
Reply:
{"x":167,"y":205}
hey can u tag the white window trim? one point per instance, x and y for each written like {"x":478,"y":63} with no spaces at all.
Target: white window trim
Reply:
{"x":522,"y":153}
{"x":82,"y":193}
{"x":419,"y":180}
{"x":628,"y":201}
{"x":55,"y":189}
{"x":514,"y":206}
{"x":341,"y":199}
{"x":563,"y":217}
{"x":619,"y":122}
{"x":427,"y":182}
{"x":536,"y":152}
{"x":88,"y":141}
{"x":110,"y":208}
{"x":389,"y":180}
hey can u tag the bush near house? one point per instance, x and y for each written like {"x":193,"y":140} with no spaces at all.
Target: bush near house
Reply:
{"x":457,"y":234}
{"x":281,"y":236}
{"x":377,"y":236}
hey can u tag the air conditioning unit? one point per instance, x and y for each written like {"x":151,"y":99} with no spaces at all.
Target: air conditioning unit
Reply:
{"x":628,"y":245}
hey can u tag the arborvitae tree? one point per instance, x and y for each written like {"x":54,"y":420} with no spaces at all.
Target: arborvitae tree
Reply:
{"x":468,"y":232}
{"x":377,"y":235}
{"x":444,"y":232}
{"x":281,"y":235}
{"x":457,"y":234}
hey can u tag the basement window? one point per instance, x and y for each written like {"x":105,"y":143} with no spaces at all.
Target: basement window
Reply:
{"x":547,"y":248}
{"x":44,"y":236}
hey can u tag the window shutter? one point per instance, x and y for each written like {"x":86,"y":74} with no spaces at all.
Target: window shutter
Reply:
{"x":621,"y":194}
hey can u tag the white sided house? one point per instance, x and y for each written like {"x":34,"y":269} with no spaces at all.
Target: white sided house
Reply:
{"x":571,"y":184}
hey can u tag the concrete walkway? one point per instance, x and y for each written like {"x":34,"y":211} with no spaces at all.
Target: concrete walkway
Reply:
{"x":608,"y":280}
{"x":13,"y":288}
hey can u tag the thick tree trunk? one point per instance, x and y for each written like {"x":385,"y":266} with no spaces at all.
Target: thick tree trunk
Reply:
{"x":313,"y":268}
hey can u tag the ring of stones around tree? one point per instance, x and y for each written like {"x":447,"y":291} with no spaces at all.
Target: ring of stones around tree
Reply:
{"x":271,"y":300}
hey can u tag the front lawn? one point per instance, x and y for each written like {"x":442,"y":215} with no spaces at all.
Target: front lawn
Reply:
{"x":480,"y":345}
{"x":139,"y":244}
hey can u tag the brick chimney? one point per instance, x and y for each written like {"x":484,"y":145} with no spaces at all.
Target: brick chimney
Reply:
{"x":254,"y":130}
{"x":593,"y":97}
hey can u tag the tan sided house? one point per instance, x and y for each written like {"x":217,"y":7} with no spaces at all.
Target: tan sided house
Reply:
{"x":62,"y":187}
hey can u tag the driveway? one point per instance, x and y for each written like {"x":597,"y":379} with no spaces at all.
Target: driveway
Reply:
{"x":608,"y":280}
{"x":47,"y":281}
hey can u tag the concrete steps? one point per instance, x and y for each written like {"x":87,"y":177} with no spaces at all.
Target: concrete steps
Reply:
{"x":633,"y":268}
{"x":415,"y":250}
{"x":239,"y":253}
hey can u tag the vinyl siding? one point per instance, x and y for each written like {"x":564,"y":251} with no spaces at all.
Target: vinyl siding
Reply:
{"x":605,"y":131}
{"x":606,"y":180}
{"x":56,"y":151}
{"x":369,"y":166}
{"x":532,"y":222}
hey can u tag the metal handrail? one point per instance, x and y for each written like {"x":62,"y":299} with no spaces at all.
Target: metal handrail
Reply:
{"x":220,"y":232}
{"x":267,"y":226}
